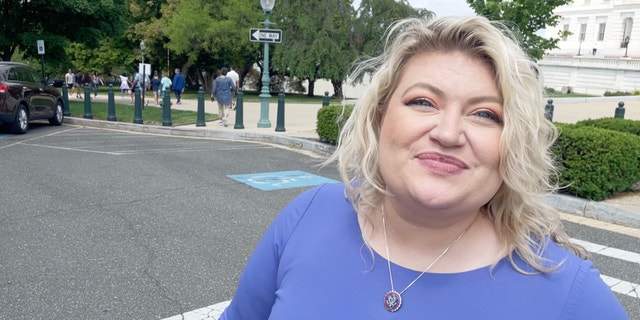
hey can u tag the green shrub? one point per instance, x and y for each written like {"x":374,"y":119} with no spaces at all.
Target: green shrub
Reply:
{"x":596,"y":163}
{"x":615,"y":124}
{"x":330,"y":120}
{"x":617,"y":93}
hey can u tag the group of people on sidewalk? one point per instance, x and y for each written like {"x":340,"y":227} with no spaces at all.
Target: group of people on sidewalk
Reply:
{"x":75,"y":82}
{"x":223,"y":90}
{"x":157,"y":86}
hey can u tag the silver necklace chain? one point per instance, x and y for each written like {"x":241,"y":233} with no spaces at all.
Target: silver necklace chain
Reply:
{"x":396,"y":297}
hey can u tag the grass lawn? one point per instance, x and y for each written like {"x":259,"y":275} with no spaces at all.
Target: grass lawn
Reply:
{"x":125,"y":113}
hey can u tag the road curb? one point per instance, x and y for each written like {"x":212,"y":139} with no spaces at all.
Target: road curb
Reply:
{"x":594,"y":210}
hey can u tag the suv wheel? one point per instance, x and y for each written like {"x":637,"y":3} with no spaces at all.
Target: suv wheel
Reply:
{"x":21,"y":122}
{"x":56,"y":120}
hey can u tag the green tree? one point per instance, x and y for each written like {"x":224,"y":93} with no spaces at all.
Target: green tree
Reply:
{"x":204,"y":35}
{"x":524,"y":18}
{"x":316,"y":40}
{"x":373,"y":17}
{"x":57,"y":22}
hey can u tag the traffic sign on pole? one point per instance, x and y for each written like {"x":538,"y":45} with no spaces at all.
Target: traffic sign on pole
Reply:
{"x":40,"y":45}
{"x":265,"y":35}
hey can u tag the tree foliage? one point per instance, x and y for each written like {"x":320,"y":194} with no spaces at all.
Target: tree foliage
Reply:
{"x":316,"y":39}
{"x":525,"y":18}
{"x":57,"y":22}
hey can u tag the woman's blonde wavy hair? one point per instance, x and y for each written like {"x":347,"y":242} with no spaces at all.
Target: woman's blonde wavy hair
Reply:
{"x":523,"y":222}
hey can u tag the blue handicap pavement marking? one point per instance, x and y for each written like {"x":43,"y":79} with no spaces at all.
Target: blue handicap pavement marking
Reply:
{"x":268,"y":181}
{"x":4,"y":135}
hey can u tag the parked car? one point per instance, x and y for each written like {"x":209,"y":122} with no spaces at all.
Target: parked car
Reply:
{"x":25,"y":96}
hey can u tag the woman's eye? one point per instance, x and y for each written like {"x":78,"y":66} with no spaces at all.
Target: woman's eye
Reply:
{"x":489,"y":115}
{"x":421,"y":102}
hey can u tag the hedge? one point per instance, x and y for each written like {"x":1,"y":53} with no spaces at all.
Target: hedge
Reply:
{"x":330,"y":120}
{"x":595,"y":163}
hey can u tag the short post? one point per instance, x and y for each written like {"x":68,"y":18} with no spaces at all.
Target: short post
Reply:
{"x":239,"y":113}
{"x":620,"y":110}
{"x":325,"y":99}
{"x":166,"y":110}
{"x":280,"y":120}
{"x":87,"y":102}
{"x":548,"y":110}
{"x":200,"y":117}
{"x":65,"y":99}
{"x":137,"y":108}
{"x":111,"y":105}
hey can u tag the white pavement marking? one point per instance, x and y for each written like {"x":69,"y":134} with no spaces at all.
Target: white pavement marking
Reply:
{"x":620,"y":286}
{"x":208,"y":313}
{"x":631,"y":289}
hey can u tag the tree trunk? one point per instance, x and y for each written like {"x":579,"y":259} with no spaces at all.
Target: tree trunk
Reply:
{"x":312,"y":85}
{"x":337,"y":89}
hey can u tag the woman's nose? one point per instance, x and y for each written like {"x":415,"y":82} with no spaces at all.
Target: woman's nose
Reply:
{"x":448,"y":129}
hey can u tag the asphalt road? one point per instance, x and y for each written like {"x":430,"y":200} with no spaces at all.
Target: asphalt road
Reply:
{"x":100,"y":224}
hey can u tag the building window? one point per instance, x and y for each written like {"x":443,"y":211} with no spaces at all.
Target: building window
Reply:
{"x":565,"y":32}
{"x":583,"y":32}
{"x":627,"y":24}
{"x":601,"y":28}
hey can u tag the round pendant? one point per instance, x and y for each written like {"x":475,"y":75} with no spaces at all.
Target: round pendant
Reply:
{"x":392,"y":301}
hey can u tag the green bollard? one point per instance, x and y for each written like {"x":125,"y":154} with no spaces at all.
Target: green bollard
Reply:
{"x":111,"y":105}
{"x":619,"y":110}
{"x":87,"y":102}
{"x":65,"y":100}
{"x":280,"y":117}
{"x":325,"y":99}
{"x":200,"y":118}
{"x":548,"y":110}
{"x":239,"y":113}
{"x":137,"y":108}
{"x":166,"y":110}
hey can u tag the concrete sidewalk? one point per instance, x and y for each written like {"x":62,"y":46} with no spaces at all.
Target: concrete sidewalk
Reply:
{"x":300,"y":134}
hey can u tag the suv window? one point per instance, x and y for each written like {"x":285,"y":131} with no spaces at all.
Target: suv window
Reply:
{"x":24,"y":74}
{"x":12,"y":75}
{"x":36,"y":76}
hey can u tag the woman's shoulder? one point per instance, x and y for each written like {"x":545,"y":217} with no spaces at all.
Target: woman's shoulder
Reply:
{"x":317,"y":203}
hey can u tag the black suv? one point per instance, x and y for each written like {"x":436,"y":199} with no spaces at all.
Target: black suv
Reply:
{"x":25,"y":96}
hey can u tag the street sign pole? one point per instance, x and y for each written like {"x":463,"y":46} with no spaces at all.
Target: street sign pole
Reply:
{"x":40,"y":45}
{"x":266,"y":36}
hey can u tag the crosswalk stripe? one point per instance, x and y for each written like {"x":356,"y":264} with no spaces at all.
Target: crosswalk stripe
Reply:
{"x":620,"y":286}
{"x":609,"y":251}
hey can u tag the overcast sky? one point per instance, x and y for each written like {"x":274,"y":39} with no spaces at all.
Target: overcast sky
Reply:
{"x":444,"y":7}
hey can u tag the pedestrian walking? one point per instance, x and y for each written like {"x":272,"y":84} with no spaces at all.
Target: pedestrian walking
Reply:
{"x":222,"y":91}
{"x":178,"y":85}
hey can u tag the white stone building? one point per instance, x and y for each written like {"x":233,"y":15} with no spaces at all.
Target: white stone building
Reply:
{"x":603,"y":51}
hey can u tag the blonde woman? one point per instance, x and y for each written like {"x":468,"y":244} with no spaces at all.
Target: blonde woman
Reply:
{"x":444,"y":161}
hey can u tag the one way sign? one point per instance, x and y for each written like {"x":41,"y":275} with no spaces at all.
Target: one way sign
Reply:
{"x":265,"y":35}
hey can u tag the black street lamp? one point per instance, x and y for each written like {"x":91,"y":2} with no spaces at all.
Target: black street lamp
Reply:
{"x":626,"y":46}
{"x":267,"y":7}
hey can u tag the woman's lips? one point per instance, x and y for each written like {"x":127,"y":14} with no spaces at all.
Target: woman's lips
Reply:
{"x":441,"y":164}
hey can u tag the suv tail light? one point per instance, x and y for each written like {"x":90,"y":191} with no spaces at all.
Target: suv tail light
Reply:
{"x":3,"y":88}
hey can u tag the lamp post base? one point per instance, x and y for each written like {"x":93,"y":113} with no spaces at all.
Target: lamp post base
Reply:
{"x":264,"y":111}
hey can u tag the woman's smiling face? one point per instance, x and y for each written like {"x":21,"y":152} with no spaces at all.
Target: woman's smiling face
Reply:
{"x":440,"y":134}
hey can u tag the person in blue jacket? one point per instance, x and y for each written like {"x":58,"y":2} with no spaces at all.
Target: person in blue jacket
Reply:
{"x":223,"y":90}
{"x":178,"y":85}
{"x":440,"y":215}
